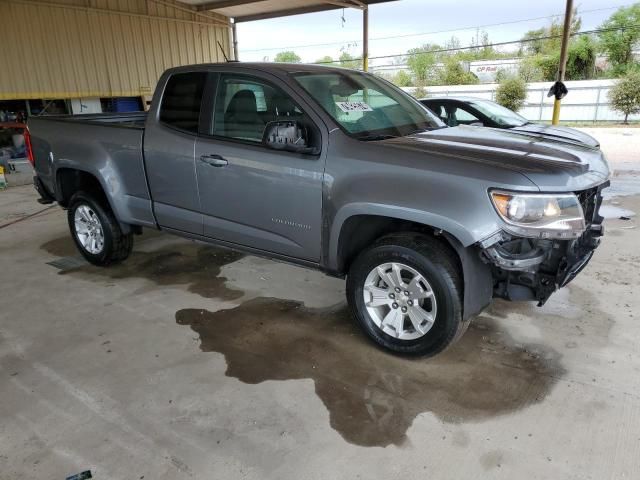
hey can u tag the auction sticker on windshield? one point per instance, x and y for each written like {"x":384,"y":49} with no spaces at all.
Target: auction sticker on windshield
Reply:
{"x":354,"y":107}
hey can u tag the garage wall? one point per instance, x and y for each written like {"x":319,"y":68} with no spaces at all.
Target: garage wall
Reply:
{"x":100,"y":48}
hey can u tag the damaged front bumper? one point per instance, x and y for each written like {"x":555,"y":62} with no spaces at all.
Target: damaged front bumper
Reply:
{"x":532,"y":269}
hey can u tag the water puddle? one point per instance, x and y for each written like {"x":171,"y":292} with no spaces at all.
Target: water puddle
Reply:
{"x":623,"y":184}
{"x":61,"y":247}
{"x":195,"y":265}
{"x":613,"y":211}
{"x":372,"y":396}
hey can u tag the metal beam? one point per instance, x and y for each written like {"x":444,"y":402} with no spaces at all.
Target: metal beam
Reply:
{"x":555,"y":119}
{"x":226,"y":4}
{"x":344,"y":4}
{"x":298,"y":11}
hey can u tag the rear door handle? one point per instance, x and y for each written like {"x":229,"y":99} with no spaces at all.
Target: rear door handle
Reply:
{"x":214,"y":160}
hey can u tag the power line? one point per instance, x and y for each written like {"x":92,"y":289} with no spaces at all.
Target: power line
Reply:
{"x":496,"y":44}
{"x":434,"y":32}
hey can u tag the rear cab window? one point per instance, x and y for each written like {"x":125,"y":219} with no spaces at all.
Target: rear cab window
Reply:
{"x":181,"y":101}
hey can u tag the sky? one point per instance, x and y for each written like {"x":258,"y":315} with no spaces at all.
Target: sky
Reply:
{"x":416,"y":21}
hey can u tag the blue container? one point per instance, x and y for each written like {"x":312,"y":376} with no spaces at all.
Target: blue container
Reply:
{"x":125,"y":104}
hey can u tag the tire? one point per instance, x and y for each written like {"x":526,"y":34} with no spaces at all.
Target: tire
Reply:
{"x":438,"y":280}
{"x":115,"y":246}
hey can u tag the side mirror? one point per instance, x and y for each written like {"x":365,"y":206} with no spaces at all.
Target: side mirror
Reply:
{"x":477,"y":124}
{"x":289,"y":136}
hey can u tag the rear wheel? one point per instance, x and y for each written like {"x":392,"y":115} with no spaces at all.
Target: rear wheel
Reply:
{"x":96,"y":232}
{"x":405,"y":292}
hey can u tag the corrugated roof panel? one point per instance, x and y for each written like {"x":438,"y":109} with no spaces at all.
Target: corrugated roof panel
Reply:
{"x":73,"y":52}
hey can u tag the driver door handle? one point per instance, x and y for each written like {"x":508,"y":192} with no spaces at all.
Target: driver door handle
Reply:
{"x":214,"y":160}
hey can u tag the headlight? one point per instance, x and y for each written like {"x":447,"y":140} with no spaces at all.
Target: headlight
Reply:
{"x":540,"y":215}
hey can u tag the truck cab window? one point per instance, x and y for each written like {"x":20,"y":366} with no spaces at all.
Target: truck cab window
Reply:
{"x":180,"y":107}
{"x":244,"y":106}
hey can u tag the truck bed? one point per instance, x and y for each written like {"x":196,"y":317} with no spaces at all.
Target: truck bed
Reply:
{"x":128,"y":120}
{"x":106,"y":146}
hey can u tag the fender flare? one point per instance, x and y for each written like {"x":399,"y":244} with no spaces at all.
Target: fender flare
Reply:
{"x":455,"y":229}
{"x":477,"y":277}
{"x":69,"y":165}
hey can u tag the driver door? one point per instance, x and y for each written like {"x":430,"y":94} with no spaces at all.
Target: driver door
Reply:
{"x":252,"y":195}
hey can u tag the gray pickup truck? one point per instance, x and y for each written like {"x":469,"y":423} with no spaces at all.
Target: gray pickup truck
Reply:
{"x":335,"y":170}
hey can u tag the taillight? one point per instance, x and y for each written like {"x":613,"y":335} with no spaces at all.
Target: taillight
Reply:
{"x":29,"y":149}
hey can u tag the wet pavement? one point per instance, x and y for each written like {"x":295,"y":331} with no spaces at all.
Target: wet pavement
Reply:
{"x":196,"y":266}
{"x":372,"y":396}
{"x":192,"y":361}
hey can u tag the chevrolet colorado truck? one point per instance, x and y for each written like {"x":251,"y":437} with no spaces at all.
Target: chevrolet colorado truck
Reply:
{"x":336,"y":170}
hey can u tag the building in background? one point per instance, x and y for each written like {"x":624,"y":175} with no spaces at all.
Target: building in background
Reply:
{"x":87,"y":56}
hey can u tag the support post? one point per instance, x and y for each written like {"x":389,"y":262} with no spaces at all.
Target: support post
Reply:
{"x":563,"y":57}
{"x":234,"y":33}
{"x":365,"y":39}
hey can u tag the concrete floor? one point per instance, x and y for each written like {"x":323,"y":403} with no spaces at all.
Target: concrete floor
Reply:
{"x":193,"y":362}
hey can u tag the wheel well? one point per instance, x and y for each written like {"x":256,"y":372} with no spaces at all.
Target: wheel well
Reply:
{"x":70,"y":181}
{"x":360,"y":231}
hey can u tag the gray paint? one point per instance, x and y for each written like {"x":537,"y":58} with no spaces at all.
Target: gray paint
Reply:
{"x":294,"y":206}
{"x":111,"y":153}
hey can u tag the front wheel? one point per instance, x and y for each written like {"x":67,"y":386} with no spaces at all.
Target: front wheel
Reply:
{"x":96,"y":232}
{"x":404,"y":292}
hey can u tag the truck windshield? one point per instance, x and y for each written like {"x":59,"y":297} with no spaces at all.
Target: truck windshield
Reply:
{"x":365,"y":106}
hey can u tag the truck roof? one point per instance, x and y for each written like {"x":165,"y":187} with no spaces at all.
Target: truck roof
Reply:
{"x":267,"y":67}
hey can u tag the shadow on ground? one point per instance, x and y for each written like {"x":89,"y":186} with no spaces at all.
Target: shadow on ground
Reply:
{"x":194,"y":265}
{"x":373,"y":397}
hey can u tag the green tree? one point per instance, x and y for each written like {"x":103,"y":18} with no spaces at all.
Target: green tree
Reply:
{"x":348,"y":61}
{"x":536,"y":41}
{"x":512,"y":93}
{"x":625,"y":95}
{"x":325,"y":60}
{"x":530,"y":70}
{"x":532,"y":43}
{"x":402,"y":79}
{"x":581,"y":61}
{"x":453,"y":73}
{"x":287,"y":57}
{"x":581,"y":58}
{"x":617,"y":42}
{"x":421,"y":61}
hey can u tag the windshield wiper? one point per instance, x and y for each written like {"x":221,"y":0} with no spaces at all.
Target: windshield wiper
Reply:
{"x":375,"y":136}
{"x":427,"y":129}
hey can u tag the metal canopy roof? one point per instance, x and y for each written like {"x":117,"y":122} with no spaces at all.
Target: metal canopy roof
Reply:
{"x":250,"y":10}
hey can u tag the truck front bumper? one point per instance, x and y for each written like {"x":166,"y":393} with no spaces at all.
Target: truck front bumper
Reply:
{"x":532,"y":269}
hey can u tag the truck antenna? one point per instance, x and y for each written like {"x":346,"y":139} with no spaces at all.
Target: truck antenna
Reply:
{"x":222,"y":50}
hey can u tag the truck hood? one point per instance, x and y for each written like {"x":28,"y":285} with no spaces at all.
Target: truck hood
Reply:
{"x":557,"y":132}
{"x":551,"y":163}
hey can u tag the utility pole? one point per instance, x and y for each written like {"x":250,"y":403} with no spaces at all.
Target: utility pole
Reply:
{"x":563,"y":58}
{"x":365,"y":38}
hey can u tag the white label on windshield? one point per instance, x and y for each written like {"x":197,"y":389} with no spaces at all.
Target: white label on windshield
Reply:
{"x":354,"y":107}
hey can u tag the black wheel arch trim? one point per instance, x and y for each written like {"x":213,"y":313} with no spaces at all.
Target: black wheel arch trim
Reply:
{"x":476,"y":275}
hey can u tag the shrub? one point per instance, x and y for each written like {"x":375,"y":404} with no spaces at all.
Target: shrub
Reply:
{"x":420,"y":92}
{"x":512,"y":93}
{"x":625,"y":95}
{"x":287,"y":57}
{"x":402,"y":79}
